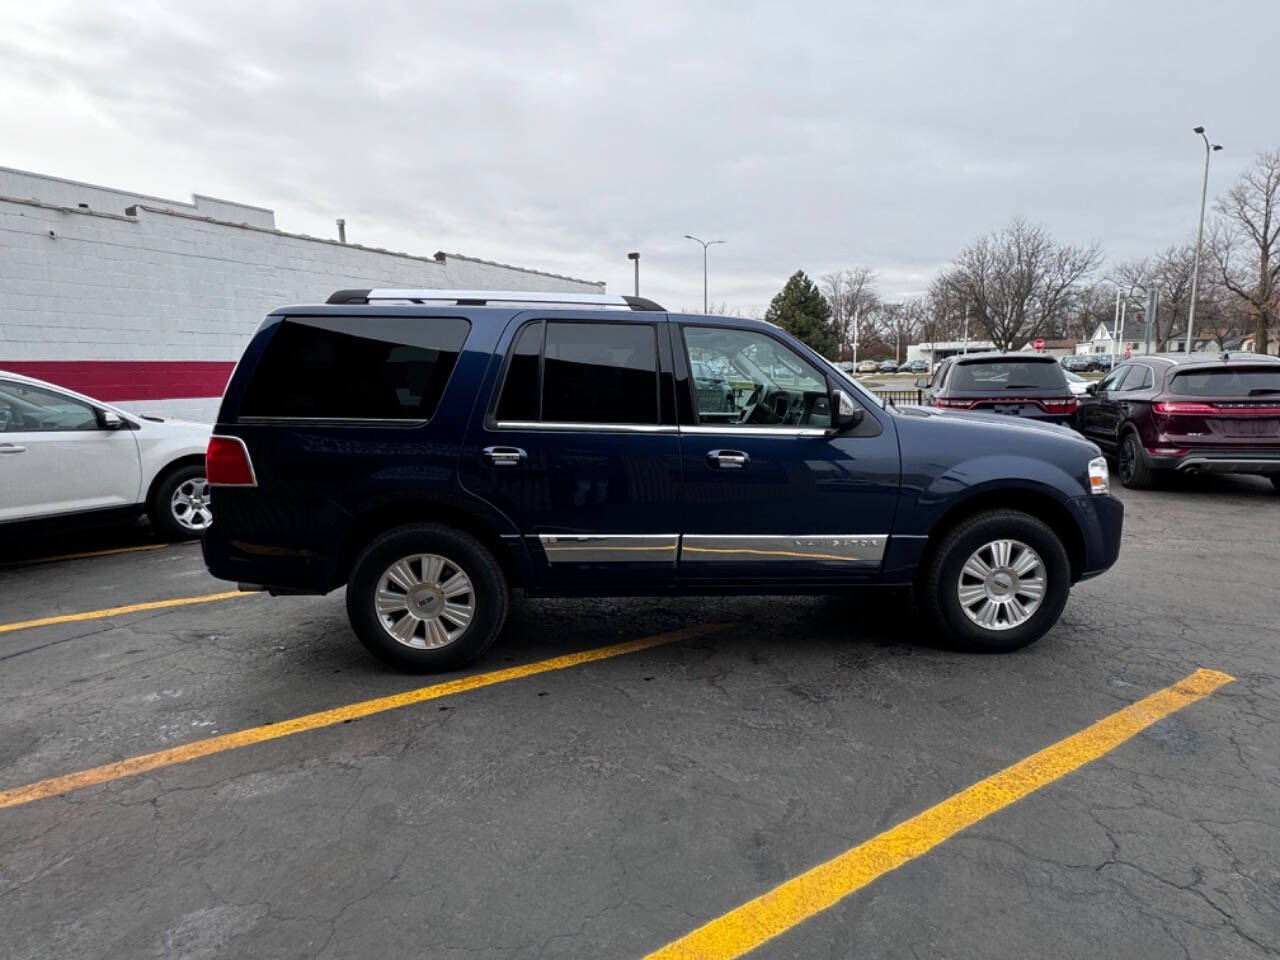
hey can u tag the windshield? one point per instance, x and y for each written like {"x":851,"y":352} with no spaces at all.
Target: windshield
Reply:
{"x":1008,"y":375}
{"x":1230,"y":382}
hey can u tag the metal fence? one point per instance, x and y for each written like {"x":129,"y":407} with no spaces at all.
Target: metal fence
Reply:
{"x":914,"y":395}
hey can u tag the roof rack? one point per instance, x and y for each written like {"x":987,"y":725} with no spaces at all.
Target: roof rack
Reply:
{"x":481,"y":298}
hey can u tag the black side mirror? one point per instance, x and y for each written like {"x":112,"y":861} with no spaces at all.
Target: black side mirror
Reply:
{"x":1091,"y":389}
{"x":844,"y":412}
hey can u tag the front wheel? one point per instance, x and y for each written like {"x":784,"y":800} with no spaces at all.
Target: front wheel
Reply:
{"x":998,"y":581}
{"x":179,"y":506}
{"x":426,"y":597}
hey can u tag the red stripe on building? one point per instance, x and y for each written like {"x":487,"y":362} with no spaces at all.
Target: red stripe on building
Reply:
{"x":115,"y":380}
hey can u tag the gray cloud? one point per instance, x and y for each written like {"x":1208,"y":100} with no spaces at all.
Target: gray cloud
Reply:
{"x":562,"y":134}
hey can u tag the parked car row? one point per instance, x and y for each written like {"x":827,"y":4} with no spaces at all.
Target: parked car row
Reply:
{"x":1088,"y":362}
{"x":1161,"y":413}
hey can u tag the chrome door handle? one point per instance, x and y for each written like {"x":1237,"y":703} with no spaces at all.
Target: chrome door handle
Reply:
{"x":11,"y":448}
{"x":727,"y":459}
{"x":504,"y":456}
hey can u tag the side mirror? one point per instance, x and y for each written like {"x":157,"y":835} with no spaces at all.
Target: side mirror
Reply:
{"x":922,"y":383}
{"x":110,"y":420}
{"x":844,"y":412}
{"x":1091,"y":389}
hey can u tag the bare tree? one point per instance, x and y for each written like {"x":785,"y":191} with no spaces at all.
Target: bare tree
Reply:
{"x":851,"y":294}
{"x":1018,"y":283}
{"x":1245,"y":242}
{"x":900,"y":322}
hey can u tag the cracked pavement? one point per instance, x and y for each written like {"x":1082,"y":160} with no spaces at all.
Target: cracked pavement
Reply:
{"x":604,"y":810}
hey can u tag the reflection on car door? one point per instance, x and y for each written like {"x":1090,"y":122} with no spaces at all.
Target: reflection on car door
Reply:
{"x":1097,"y":417}
{"x":580,"y":451}
{"x":770,"y":495}
{"x":56,"y":459}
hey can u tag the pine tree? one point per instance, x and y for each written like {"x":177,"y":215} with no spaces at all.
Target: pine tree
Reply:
{"x":802,"y":311}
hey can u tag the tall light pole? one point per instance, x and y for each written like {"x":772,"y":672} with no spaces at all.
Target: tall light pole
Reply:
{"x":705,"y":244}
{"x":635,"y":256}
{"x":1195,"y":271}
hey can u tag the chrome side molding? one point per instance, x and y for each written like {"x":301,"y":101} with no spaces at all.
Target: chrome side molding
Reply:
{"x":846,"y":549}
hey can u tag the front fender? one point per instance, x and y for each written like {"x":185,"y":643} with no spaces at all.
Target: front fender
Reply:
{"x":927,"y":494}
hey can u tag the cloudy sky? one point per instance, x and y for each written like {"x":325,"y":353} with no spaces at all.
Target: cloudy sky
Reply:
{"x":561,"y":135}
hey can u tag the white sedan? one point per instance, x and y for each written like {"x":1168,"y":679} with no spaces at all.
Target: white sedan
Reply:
{"x":1078,"y":384}
{"x":63,"y":454}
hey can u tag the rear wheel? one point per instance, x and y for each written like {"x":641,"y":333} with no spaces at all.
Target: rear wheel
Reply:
{"x":426,"y":597}
{"x":998,"y":581}
{"x":1135,"y":472}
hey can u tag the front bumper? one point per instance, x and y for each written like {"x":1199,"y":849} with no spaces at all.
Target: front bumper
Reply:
{"x":1101,"y":520}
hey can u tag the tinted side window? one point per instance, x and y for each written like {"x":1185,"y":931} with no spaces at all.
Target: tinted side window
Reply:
{"x":520,"y":389}
{"x":600,"y":373}
{"x":1139,"y":378}
{"x":1112,"y":380}
{"x":356,"y":368}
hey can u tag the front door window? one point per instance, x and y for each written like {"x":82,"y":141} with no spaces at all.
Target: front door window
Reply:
{"x":741,"y":377}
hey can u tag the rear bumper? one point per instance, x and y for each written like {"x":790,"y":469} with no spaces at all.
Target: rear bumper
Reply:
{"x":1262,"y":462}
{"x":1101,"y":520}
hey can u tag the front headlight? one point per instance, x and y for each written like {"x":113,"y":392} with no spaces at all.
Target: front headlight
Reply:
{"x":1099,"y":476}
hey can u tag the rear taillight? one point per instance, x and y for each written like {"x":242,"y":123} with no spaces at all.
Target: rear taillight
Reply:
{"x":1184,"y":408}
{"x":227,"y":464}
{"x":1059,"y":406}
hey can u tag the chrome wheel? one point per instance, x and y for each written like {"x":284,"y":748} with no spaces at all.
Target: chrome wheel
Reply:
{"x":189,"y":504}
{"x":425,"y":601}
{"x":1002,"y":584}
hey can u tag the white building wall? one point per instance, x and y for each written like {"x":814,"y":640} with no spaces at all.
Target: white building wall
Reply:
{"x":158,"y":284}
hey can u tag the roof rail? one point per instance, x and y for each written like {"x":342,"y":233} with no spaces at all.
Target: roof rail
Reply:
{"x":480,"y":298}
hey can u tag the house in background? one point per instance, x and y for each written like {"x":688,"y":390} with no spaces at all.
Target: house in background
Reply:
{"x":1133,"y":341}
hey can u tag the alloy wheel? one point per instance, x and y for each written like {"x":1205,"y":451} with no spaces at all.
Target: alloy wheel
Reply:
{"x":1002,"y":584}
{"x":1128,"y":458}
{"x":189,"y":505}
{"x":425,"y":601}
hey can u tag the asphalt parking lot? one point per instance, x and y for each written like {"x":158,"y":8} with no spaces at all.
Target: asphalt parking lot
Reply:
{"x":609,"y":805}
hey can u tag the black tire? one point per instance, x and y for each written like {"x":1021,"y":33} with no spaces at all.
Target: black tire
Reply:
{"x":942,"y":581}
{"x":167,"y":519}
{"x":1136,"y":473}
{"x":463,"y":553}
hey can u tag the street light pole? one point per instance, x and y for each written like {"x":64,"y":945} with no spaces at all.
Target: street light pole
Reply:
{"x":1195,"y":271}
{"x":635,"y":256}
{"x":705,"y":244}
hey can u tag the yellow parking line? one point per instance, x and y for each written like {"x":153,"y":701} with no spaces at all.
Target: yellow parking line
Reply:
{"x":84,"y":555}
{"x":117,"y":611}
{"x":759,"y":920}
{"x":327,"y":718}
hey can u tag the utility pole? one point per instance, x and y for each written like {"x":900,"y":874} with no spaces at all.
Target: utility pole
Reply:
{"x":857,"y":312}
{"x":634,"y":256}
{"x":966,"y":331}
{"x":1195,"y":270}
{"x":705,"y":244}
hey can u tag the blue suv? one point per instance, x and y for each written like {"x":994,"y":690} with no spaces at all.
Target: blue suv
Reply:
{"x":433,"y":450}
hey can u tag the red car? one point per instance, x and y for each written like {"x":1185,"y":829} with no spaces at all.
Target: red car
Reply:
{"x":1191,"y":413}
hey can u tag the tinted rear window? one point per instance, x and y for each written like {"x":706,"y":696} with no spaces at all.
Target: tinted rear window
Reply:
{"x":1230,"y":382}
{"x":1008,"y":375}
{"x":356,"y":368}
{"x":600,"y":373}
